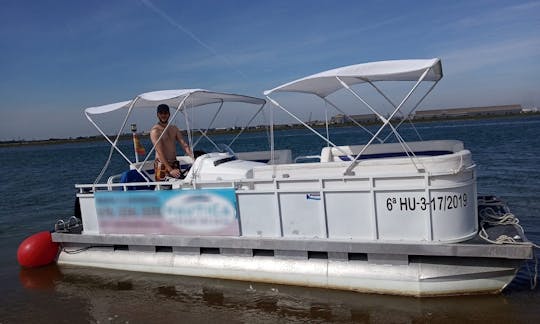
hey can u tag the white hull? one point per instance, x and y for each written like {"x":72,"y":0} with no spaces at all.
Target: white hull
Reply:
{"x":425,"y":277}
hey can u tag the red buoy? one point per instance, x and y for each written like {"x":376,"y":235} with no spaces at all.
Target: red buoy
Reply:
{"x":37,"y":250}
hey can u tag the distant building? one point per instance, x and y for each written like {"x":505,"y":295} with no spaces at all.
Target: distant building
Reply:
{"x":438,"y":114}
{"x":532,"y":110}
{"x":337,"y":119}
{"x":366,"y":118}
{"x":468,"y":112}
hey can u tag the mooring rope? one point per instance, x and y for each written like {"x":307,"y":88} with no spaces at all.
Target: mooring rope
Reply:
{"x":497,"y":213}
{"x":83,"y":249}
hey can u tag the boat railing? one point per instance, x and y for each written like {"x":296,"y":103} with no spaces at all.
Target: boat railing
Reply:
{"x":128,"y":186}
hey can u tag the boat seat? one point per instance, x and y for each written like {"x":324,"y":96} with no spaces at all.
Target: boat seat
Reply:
{"x":395,"y":154}
{"x":280,"y":156}
{"x":132,"y":176}
{"x":390,"y":150}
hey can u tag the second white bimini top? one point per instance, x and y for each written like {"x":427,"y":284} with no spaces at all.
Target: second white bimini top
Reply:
{"x":326,"y":83}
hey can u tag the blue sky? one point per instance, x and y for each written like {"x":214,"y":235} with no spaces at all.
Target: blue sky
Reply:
{"x":58,"y":57}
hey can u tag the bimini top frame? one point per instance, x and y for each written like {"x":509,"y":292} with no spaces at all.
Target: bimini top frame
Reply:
{"x":181,"y":100}
{"x":326,"y":83}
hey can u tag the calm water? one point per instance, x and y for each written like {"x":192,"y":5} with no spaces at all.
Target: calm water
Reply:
{"x":37,"y":189}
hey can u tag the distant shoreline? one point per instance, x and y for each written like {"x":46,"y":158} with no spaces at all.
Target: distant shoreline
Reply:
{"x":97,"y":138}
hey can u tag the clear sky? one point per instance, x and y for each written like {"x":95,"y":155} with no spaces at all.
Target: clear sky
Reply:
{"x":58,"y":57}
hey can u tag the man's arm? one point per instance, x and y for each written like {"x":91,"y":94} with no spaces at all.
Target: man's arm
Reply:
{"x":183,"y":143}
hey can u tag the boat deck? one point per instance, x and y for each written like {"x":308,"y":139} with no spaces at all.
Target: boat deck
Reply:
{"x":340,"y":249}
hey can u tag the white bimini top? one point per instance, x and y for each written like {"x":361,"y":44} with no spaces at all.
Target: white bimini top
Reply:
{"x":326,"y":83}
{"x":174,"y":98}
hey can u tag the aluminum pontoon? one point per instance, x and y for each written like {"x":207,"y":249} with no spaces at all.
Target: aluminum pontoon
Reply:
{"x":383,"y":217}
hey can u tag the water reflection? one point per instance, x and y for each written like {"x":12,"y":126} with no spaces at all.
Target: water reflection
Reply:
{"x":137,"y":297}
{"x":42,"y":278}
{"x":213,"y":297}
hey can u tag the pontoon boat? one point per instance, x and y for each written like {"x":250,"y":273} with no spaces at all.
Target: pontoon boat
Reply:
{"x":383,"y":217}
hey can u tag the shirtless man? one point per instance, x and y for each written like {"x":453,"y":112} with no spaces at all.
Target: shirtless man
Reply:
{"x":165,"y":163}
